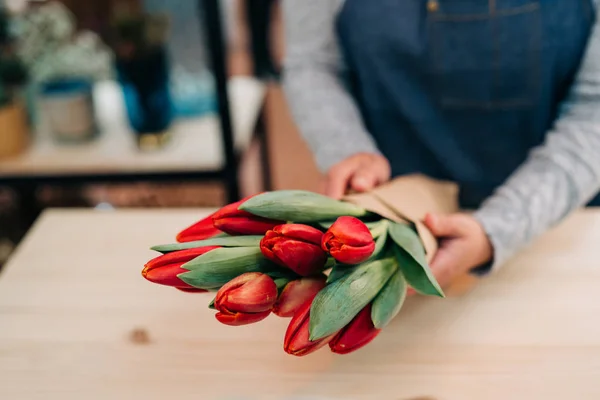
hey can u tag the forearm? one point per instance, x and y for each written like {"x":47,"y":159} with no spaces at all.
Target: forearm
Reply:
{"x":560,"y":176}
{"x":557,"y":179}
{"x":322,"y":107}
{"x":326,"y":117}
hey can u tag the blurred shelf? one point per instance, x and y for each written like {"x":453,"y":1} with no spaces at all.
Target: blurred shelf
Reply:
{"x":195,"y":145}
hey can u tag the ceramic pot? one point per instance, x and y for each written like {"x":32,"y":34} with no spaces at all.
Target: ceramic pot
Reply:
{"x":14,"y":130}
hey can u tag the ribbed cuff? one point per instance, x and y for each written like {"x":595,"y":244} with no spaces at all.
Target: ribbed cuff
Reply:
{"x":493,"y":225}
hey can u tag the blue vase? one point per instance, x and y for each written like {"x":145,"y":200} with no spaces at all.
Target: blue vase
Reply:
{"x":145,"y":84}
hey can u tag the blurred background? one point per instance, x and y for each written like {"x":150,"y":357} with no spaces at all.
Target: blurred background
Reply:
{"x":141,"y":103}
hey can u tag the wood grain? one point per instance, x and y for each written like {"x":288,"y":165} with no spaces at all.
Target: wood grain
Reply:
{"x":77,"y":321}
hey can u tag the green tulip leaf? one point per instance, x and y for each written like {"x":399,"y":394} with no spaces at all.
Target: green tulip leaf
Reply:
{"x":326,"y":225}
{"x":389,"y":301}
{"x":224,"y":241}
{"x":408,"y":239}
{"x":339,"y":302}
{"x":281,"y":283}
{"x":219,"y":266}
{"x":412,"y":260}
{"x":380,"y":244}
{"x":300,"y":206}
{"x":330,"y":263}
{"x":339,"y":271}
{"x":378,"y":228}
{"x":277,"y":272}
{"x":211,"y":305}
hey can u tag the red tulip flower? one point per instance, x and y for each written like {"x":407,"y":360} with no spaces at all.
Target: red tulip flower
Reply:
{"x":246,"y":299}
{"x":358,"y":333}
{"x":297,"y":342}
{"x":296,"y":293}
{"x":238,"y":222}
{"x":201,"y":230}
{"x":165,"y":268}
{"x":295,"y":246}
{"x":349,"y":241}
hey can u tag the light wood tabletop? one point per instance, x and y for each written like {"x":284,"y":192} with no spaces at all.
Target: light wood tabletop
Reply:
{"x":72,"y":297}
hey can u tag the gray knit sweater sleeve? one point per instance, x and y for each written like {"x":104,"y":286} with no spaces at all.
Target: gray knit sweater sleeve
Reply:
{"x":559,"y":176}
{"x":313,"y":80}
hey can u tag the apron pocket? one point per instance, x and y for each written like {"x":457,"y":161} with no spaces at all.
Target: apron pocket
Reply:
{"x":487,"y":59}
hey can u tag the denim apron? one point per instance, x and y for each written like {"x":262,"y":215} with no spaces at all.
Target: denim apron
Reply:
{"x":462,"y":89}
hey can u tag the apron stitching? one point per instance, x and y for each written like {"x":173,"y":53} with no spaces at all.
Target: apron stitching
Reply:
{"x":533,"y":6}
{"x":495,"y":48}
{"x":490,"y":105}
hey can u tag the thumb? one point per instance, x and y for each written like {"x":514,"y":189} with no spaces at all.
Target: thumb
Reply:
{"x":369,"y":175}
{"x":364,"y":180}
{"x":442,"y":225}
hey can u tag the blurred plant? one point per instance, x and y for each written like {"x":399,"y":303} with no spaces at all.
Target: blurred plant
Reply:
{"x":50,"y":46}
{"x":12,"y":71}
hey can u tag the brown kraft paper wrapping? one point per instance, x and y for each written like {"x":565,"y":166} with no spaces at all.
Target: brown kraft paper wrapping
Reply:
{"x":408,"y":199}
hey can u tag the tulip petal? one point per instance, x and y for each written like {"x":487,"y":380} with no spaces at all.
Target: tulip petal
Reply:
{"x":351,"y":231}
{"x":352,"y":255}
{"x":245,"y":225}
{"x":235,"y":283}
{"x":249,"y":293}
{"x":300,"y":232}
{"x":349,"y":241}
{"x":164,"y":269}
{"x":231,"y":209}
{"x":201,"y":230}
{"x":358,"y":333}
{"x":295,"y":294}
{"x":166,"y":275}
{"x":300,"y":318}
{"x":238,"y":319}
{"x":297,"y":340}
{"x":232,"y":220}
{"x":303,"y":258}
{"x":178,"y":257}
{"x":300,"y":345}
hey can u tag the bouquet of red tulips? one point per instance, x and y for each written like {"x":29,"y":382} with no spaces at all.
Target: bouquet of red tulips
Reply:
{"x":339,"y":269}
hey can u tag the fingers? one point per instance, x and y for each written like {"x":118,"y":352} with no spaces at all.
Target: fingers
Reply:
{"x":339,"y":177}
{"x":370,"y":173}
{"x":364,"y":180}
{"x":444,"y":266}
{"x":446,"y":225}
{"x":361,"y":172}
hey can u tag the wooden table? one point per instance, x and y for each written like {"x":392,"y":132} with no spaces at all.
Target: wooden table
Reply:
{"x":72,"y":295}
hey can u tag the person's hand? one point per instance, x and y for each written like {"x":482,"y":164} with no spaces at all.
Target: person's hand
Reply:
{"x":463,"y":246}
{"x":360,"y":172}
